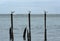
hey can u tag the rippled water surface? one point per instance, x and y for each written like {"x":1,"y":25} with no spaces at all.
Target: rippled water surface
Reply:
{"x":37,"y":28}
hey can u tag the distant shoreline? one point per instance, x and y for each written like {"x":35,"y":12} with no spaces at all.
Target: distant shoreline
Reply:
{"x":48,"y":15}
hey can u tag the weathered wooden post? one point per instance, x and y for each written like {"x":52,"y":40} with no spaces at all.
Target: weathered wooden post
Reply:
{"x":11,"y":20}
{"x":45,"y":29}
{"x":29,"y":25}
{"x":24,"y":33}
{"x":11,"y":28}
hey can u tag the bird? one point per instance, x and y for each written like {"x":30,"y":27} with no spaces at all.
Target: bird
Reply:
{"x":12,"y":12}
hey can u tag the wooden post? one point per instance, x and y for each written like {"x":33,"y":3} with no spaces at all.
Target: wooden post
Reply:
{"x":29,"y":32}
{"x":11,"y":20}
{"x":11,"y":28}
{"x":24,"y":33}
{"x":45,"y":30}
{"x":29,"y":22}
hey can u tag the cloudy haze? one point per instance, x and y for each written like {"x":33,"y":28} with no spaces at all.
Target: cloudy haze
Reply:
{"x":36,"y":6}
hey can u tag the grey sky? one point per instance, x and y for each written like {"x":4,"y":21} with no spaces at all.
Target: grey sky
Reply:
{"x":36,"y":6}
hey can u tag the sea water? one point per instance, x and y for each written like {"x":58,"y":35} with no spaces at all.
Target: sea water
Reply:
{"x":37,"y":27}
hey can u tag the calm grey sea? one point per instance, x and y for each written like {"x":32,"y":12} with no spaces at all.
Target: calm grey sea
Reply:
{"x":37,"y":27}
